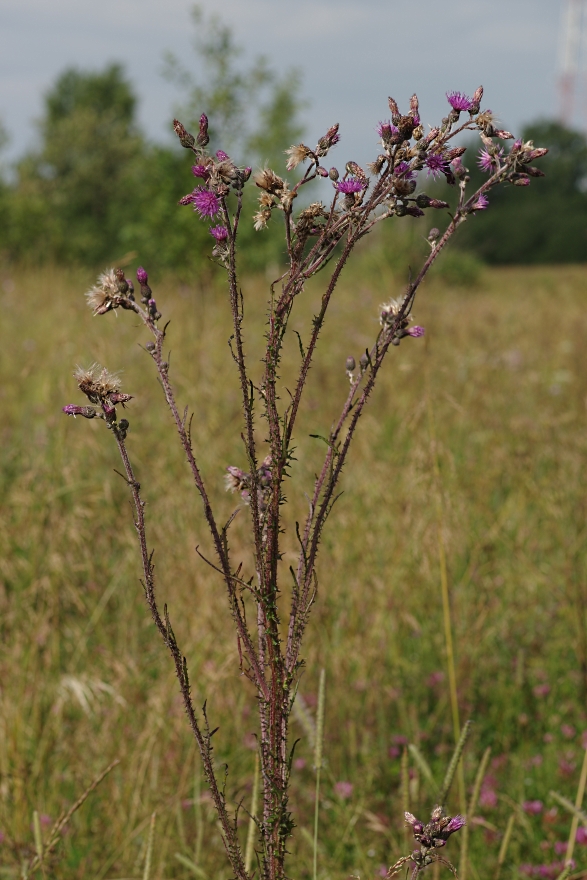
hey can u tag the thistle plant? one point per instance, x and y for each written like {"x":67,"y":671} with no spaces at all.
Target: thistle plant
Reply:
{"x":270,"y":622}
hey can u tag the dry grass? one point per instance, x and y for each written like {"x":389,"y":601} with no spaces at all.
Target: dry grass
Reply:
{"x":84,"y":679}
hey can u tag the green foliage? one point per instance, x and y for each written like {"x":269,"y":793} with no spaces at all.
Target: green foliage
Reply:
{"x":97,"y":189}
{"x":545,"y":222}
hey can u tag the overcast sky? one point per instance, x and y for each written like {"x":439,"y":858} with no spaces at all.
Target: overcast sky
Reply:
{"x":353,"y":55}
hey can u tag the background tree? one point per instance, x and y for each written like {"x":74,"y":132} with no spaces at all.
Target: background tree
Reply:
{"x":542,"y":224}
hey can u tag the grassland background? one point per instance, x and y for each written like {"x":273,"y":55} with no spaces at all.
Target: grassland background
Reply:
{"x":84,"y":680}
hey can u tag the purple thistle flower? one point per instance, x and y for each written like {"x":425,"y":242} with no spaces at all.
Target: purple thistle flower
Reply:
{"x":533,"y":808}
{"x":416,"y":332}
{"x":436,"y":164}
{"x":455,"y":824}
{"x":481,"y":203}
{"x":402,"y":169}
{"x":386,"y":130}
{"x":352,"y":185}
{"x":488,"y":161}
{"x":200,"y":171}
{"x":459,"y":101}
{"x":220,"y":233}
{"x":205,"y":202}
{"x":220,"y":154}
{"x":142,"y":276}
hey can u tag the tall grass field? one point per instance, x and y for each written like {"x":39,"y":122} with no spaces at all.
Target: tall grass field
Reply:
{"x":473,"y":450}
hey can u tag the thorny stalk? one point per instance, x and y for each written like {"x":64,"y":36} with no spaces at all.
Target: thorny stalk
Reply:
{"x":317,"y":235}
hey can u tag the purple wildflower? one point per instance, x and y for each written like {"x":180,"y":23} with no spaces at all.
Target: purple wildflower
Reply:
{"x":205,"y":202}
{"x":220,"y":154}
{"x":457,"y":822}
{"x":88,"y":412}
{"x":488,"y":161}
{"x":416,"y":332}
{"x":480,"y":205}
{"x":436,"y":164}
{"x":386,"y":130}
{"x":351,"y":185}
{"x":142,"y":276}
{"x":402,"y":169}
{"x":459,"y":101}
{"x":200,"y":171}
{"x":581,"y":836}
{"x":343,"y":789}
{"x":220,"y":233}
{"x":533,"y":808}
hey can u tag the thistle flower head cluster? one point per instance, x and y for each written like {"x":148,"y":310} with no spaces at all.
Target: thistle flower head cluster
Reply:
{"x":111,"y":291}
{"x":433,"y":835}
{"x":237,"y":480}
{"x":391,"y":322}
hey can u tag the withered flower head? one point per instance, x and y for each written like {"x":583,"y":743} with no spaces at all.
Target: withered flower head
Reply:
{"x":297,"y":153}
{"x":261,"y":218}
{"x":268,"y":180}
{"x":99,"y":385}
{"x":104,"y":294}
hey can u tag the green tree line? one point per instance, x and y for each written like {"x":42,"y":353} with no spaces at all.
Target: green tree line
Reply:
{"x":96,"y":188}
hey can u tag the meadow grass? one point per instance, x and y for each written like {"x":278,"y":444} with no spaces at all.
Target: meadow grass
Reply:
{"x":499,"y":383}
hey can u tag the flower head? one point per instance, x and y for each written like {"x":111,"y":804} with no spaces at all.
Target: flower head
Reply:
{"x":297,"y":153}
{"x":220,"y":233}
{"x":200,"y":171}
{"x":436,"y":164}
{"x":416,"y":331}
{"x":350,"y":185}
{"x":455,"y":824}
{"x":142,"y":276}
{"x":459,"y":101}
{"x":88,"y":412}
{"x":489,"y":161}
{"x":402,"y":169}
{"x":387,"y":131}
{"x":220,"y":154}
{"x":481,"y":203}
{"x":205,"y":202}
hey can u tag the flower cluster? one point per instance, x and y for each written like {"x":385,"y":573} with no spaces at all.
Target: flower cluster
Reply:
{"x":433,"y":835}
{"x":388,"y":318}
{"x":102,"y":389}
{"x":237,"y":480}
{"x":111,"y":291}
{"x":219,"y":175}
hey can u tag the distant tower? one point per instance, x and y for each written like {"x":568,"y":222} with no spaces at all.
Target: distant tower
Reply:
{"x":572,"y":65}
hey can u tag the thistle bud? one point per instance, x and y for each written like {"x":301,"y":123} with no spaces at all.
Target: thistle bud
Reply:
{"x":350,"y":364}
{"x":121,"y":281}
{"x":414,"y":105}
{"x":433,"y":234}
{"x":186,"y":139}
{"x":203,"y":138}
{"x":395,"y":114}
{"x":423,"y":201}
{"x":333,"y":174}
{"x":521,"y":181}
{"x":150,"y":346}
{"x":142,"y":276}
{"x":400,"y":210}
{"x":321,"y":172}
{"x":364,"y":361}
{"x":88,"y":412}
{"x":476,"y":101}
{"x":503,"y":135}
{"x":413,"y":211}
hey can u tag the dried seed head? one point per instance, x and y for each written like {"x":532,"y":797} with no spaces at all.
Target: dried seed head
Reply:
{"x":268,"y":180}
{"x":297,"y":153}
{"x":97,"y":383}
{"x":261,"y":218}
